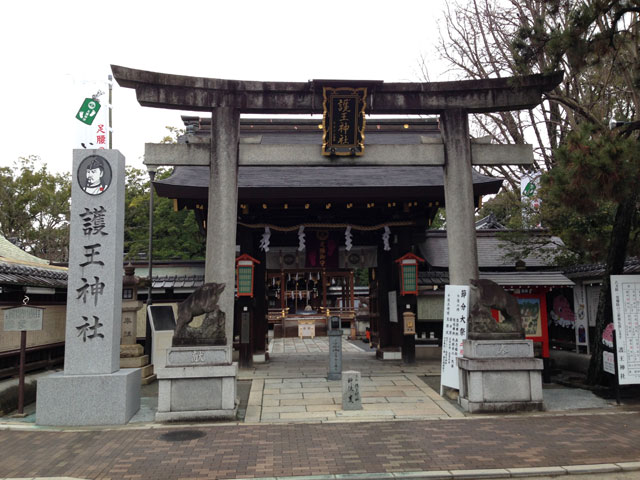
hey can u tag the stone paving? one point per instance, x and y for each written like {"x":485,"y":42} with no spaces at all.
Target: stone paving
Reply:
{"x":295,"y":427}
{"x":480,"y":447}
{"x":293,"y":386}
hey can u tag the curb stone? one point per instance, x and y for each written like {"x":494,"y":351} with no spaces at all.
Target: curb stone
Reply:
{"x":475,"y":474}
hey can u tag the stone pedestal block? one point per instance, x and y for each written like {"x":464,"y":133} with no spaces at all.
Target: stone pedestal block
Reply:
{"x":134,"y":362}
{"x":197,"y":383}
{"x":103,"y":399}
{"x":500,"y":376}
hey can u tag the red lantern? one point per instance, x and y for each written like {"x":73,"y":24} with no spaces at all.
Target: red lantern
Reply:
{"x":409,"y":273}
{"x":245,"y":265}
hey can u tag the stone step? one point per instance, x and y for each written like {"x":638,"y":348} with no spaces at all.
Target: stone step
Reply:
{"x":148,"y":380}
{"x":147,"y":370}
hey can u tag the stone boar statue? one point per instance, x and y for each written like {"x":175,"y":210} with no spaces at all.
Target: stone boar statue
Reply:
{"x":203,"y":301}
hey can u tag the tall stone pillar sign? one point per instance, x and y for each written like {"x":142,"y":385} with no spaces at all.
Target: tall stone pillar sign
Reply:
{"x":93,"y":390}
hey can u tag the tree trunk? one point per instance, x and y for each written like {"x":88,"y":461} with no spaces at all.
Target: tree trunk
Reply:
{"x":615,"y":266}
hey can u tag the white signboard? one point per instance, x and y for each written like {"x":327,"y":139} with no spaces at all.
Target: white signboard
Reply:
{"x":625,"y":297}
{"x":608,"y":363}
{"x":580,"y":308}
{"x":393,"y":307}
{"x":454,"y":331}
{"x":22,"y":318}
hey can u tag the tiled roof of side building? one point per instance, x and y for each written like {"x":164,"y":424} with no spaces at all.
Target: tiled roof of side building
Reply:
{"x":493,"y":250}
{"x":18,"y":267}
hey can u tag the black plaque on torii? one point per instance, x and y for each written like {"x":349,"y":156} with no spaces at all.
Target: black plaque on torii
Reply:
{"x":343,"y":120}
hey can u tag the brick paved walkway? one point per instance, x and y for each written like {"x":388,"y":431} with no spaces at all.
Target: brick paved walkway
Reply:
{"x":237,"y":451}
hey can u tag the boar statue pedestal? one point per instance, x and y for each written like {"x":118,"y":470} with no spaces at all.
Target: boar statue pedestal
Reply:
{"x":199,"y":380}
{"x":498,"y":372}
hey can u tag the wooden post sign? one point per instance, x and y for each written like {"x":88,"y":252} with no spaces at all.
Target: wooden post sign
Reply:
{"x":22,"y":319}
{"x":18,"y":319}
{"x":343,"y":120}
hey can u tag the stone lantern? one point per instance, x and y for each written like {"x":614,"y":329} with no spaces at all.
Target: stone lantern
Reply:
{"x":131,"y":353}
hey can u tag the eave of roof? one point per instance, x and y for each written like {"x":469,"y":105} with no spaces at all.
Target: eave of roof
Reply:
{"x":13,"y":273}
{"x":506,"y":279}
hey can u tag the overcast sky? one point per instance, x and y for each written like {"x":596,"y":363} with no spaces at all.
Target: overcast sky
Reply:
{"x":51,"y":49}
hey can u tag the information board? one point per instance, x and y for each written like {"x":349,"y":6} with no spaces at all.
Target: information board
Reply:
{"x":22,"y":318}
{"x":454,"y":331}
{"x":608,"y":363}
{"x":625,"y":296}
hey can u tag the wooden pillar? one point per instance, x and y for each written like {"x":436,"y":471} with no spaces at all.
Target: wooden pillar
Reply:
{"x":458,"y":194}
{"x":222,"y":214}
{"x":385,"y":285}
{"x":324,"y":288}
{"x":352,"y":287}
{"x":259,"y":322}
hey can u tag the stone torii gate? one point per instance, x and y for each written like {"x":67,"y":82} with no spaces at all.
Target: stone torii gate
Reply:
{"x":227,"y":99}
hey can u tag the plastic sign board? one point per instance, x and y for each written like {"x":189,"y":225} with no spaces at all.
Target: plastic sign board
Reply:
{"x":454,"y":332}
{"x":91,"y":124}
{"x":625,"y":297}
{"x":88,"y":111}
{"x":608,"y":362}
{"x":22,"y":318}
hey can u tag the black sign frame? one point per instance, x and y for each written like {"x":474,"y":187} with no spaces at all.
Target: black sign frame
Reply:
{"x":343,"y":120}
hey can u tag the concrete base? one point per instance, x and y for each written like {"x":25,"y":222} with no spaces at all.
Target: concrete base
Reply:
{"x":388,"y":355}
{"x":73,"y":400}
{"x":500,"y":376}
{"x":198,"y":383}
{"x":259,"y":358}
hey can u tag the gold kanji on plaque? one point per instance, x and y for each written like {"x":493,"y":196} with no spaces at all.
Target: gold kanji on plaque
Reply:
{"x":343,"y":120}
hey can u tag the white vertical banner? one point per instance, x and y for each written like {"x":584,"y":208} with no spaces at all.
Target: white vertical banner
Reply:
{"x":625,"y":298}
{"x":580,"y":309}
{"x":91,"y":122}
{"x":454,"y":332}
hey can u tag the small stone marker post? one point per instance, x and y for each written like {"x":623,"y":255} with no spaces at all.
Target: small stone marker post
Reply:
{"x":351,"y":399}
{"x":335,"y":349}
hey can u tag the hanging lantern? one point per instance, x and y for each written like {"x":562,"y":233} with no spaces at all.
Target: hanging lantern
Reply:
{"x":245,"y":265}
{"x":408,"y":264}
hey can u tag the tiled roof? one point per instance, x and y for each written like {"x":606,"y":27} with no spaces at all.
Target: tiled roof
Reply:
{"x":18,"y":267}
{"x":596,"y":270}
{"x":492,"y":250}
{"x":178,"y":281}
{"x":32,"y":276}
{"x":9,"y":252}
{"x":506,"y":279}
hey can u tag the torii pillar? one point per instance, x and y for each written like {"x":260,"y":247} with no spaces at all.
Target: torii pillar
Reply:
{"x":458,"y":197}
{"x":222,"y":211}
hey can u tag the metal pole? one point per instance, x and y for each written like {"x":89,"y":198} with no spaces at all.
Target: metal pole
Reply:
{"x":110,"y":112}
{"x":148,"y":339}
{"x":23,"y":347}
{"x":615,"y":370}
